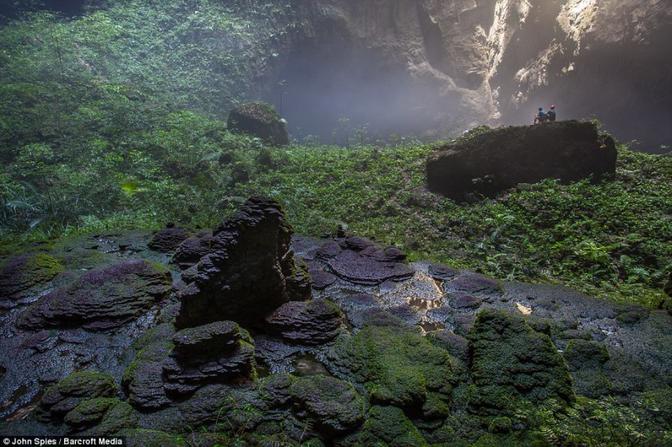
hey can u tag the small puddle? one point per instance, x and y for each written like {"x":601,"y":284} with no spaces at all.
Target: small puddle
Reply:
{"x":423,"y":304}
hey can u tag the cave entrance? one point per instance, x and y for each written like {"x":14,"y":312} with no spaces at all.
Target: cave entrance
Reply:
{"x":341,"y":93}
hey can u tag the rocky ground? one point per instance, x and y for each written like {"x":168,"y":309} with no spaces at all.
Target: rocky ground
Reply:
{"x":249,"y":334}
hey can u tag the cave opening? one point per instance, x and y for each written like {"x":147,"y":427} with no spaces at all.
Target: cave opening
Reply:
{"x":338,"y":91}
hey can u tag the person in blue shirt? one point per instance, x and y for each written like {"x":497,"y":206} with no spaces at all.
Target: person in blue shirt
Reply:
{"x":541,"y":116}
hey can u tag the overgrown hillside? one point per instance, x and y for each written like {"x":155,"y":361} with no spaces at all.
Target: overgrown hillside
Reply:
{"x":115,"y":120}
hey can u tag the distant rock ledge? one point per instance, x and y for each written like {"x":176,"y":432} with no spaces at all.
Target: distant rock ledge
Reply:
{"x":489,"y":162}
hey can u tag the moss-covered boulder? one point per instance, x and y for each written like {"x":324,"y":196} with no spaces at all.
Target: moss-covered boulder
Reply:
{"x":20,"y":274}
{"x":63,"y":397}
{"x":334,"y":405}
{"x":260,"y":120}
{"x":101,"y":299}
{"x":510,"y":362}
{"x":399,"y":367}
{"x":586,"y":360}
{"x":101,"y":416}
{"x":389,"y":427}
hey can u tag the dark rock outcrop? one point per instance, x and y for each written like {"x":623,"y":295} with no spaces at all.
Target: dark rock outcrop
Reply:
{"x":218,"y":352}
{"x":63,"y":397}
{"x":307,"y":322}
{"x":191,"y":250}
{"x":259,"y":120}
{"x":360,"y":261}
{"x":101,"y":299}
{"x":20,"y":274}
{"x":510,"y":361}
{"x":249,"y":272}
{"x":168,"y":239}
{"x":489,"y":162}
{"x":143,"y":380}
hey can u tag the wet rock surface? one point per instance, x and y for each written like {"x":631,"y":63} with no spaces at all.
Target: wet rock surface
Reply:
{"x":382,"y":351}
{"x":492,"y":161}
{"x":101,"y":299}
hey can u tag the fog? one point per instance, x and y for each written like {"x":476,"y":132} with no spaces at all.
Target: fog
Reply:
{"x":334,"y":93}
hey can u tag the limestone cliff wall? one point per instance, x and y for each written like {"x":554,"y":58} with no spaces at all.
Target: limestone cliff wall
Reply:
{"x":497,"y":60}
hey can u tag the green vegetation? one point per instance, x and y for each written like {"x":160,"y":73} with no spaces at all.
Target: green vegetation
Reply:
{"x":400,"y":367}
{"x":115,"y":120}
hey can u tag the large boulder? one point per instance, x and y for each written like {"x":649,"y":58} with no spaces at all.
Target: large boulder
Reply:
{"x":248,"y":273}
{"x":101,"y":299}
{"x":260,"y":120}
{"x":399,"y":367}
{"x":511,"y":362}
{"x":491,"y":161}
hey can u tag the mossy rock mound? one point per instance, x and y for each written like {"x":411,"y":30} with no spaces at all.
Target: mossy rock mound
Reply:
{"x":511,"y":362}
{"x":334,"y":405}
{"x":63,"y":397}
{"x":19,"y":274}
{"x":399,"y":367}
{"x":260,"y":120}
{"x":586,"y":360}
{"x":102,"y":298}
{"x":387,"y":426}
{"x":101,"y":417}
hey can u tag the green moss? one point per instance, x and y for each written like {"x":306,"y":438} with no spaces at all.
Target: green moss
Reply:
{"x":399,"y":367}
{"x":89,"y":412}
{"x":586,"y":360}
{"x":388,"y":426}
{"x":151,"y":438}
{"x":44,"y":267}
{"x":512,"y":362}
{"x":87,"y":383}
{"x":335,"y":405}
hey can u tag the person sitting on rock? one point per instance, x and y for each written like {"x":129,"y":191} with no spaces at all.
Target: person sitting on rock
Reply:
{"x":541,"y":116}
{"x":551,"y":114}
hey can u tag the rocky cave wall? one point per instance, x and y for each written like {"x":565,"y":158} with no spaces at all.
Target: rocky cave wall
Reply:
{"x":428,"y":67}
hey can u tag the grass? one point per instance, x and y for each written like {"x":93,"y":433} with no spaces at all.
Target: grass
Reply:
{"x":611,"y":240}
